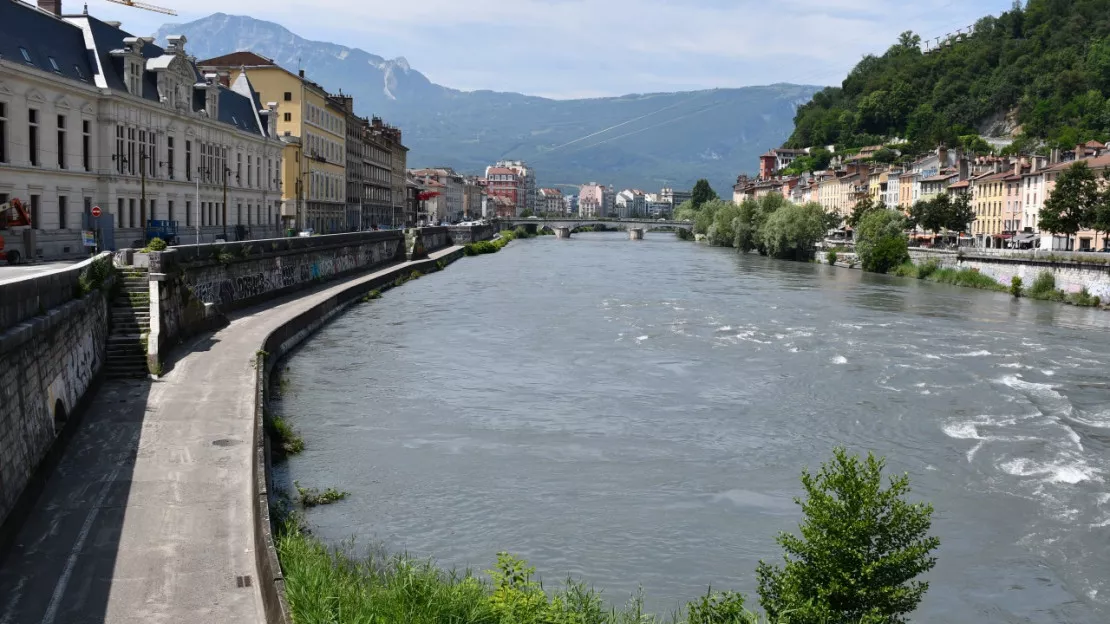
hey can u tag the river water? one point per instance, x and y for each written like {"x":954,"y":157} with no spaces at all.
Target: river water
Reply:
{"x":638,"y":412}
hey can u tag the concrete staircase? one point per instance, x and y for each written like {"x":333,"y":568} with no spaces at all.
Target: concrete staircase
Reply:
{"x":130,"y":325}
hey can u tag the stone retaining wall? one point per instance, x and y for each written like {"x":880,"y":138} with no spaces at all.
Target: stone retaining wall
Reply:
{"x":463,"y":234}
{"x":193,"y":286}
{"x":48,"y":363}
{"x":1070,"y":276}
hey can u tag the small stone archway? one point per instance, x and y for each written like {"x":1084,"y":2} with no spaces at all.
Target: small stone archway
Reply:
{"x":60,"y":416}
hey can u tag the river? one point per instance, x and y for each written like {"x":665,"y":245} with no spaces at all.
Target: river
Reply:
{"x":638,"y":413}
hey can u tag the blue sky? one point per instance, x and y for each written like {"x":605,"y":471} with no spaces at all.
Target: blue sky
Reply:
{"x":592,"y":48}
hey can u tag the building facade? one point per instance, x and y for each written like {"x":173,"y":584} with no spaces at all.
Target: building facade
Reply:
{"x":91,"y":116}
{"x":551,"y":201}
{"x":314,"y":182}
{"x":507,"y":184}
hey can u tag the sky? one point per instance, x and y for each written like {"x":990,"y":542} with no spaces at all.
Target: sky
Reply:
{"x":593,"y":48}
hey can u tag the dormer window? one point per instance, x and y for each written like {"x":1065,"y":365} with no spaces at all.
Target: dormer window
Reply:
{"x":134,"y":78}
{"x":79,"y":73}
{"x":54,"y":64}
{"x":25,"y":53}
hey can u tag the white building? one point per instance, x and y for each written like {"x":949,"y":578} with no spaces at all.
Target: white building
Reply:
{"x":631,"y":203}
{"x":92,"y":116}
{"x":453,"y":188}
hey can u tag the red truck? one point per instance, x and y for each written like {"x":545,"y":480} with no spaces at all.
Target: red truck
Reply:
{"x":15,"y":230}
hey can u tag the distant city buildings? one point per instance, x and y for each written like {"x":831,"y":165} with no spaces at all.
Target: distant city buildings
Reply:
{"x":514,"y":181}
{"x":551,"y":201}
{"x":631,"y":203}
{"x":595,"y":200}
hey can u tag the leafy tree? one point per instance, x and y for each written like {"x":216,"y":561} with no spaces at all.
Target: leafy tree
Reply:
{"x":527,"y":212}
{"x":881,"y":241}
{"x":1100,"y":212}
{"x":1068,"y":208}
{"x":791,"y":232}
{"x":721,"y":232}
{"x":750,"y":220}
{"x":885,"y":155}
{"x":702,"y":193}
{"x":974,"y":144}
{"x":686,"y":211}
{"x":960,"y":214}
{"x":861,"y":548}
{"x":861,"y":209}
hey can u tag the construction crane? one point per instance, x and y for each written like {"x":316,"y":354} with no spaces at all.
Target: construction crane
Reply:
{"x":143,"y":5}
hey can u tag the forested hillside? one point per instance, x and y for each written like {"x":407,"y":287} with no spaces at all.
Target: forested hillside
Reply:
{"x":1040,"y":71}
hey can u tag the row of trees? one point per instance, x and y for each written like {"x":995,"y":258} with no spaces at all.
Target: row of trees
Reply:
{"x":769,"y":225}
{"x":939,"y":214}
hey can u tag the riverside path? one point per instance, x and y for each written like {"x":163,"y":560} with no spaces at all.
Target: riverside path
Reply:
{"x":147,"y":518}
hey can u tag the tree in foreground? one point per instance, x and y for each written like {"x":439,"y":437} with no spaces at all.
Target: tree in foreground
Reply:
{"x":881,"y":240}
{"x":861,"y":548}
{"x":792,"y":232}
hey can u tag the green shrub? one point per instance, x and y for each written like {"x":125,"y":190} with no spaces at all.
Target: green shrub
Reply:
{"x":372,"y":295}
{"x":155,"y":244}
{"x":861,"y":548}
{"x":1083,"y":298}
{"x":1016,"y":286}
{"x":283,"y":437}
{"x":1044,"y":286}
{"x":312,"y":497}
{"x":830,"y":256}
{"x":906,"y":269}
{"x":884,"y":254}
{"x":927,"y":268}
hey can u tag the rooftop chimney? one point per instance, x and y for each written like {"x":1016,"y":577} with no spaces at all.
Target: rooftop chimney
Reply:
{"x":300,"y":73}
{"x":51,"y":6}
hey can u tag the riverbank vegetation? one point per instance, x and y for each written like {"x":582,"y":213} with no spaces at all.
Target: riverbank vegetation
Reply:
{"x":1043,"y":288}
{"x":861,"y":548}
{"x":312,"y":497}
{"x":478,"y":248}
{"x":770,"y":225}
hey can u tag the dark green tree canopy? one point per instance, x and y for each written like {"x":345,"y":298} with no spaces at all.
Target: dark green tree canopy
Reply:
{"x":1044,"y":65}
{"x":702,"y":193}
{"x":1072,"y":205}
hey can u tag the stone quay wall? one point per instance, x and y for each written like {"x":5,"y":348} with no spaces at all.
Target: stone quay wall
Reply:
{"x":463,"y":234}
{"x":1071,"y":273}
{"x":49,"y":361}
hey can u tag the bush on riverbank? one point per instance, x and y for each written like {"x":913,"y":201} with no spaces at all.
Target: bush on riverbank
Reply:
{"x":283,"y":438}
{"x":881,"y":241}
{"x":846,"y":510}
{"x":933,"y":272}
{"x":684,"y":234}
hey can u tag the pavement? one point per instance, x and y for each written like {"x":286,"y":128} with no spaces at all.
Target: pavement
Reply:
{"x":148,"y":516}
{"x":9,"y":272}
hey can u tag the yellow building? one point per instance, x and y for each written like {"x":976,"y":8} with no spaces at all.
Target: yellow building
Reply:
{"x":313,"y":173}
{"x":987,"y":194}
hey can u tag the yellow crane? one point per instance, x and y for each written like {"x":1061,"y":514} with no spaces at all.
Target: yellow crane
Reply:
{"x":143,"y":5}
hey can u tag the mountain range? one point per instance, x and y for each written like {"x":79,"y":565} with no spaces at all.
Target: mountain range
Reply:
{"x":640,"y":140}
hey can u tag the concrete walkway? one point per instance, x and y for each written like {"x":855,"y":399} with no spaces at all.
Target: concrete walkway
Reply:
{"x":148,"y":516}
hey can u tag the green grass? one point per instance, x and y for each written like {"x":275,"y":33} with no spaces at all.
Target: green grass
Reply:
{"x":478,"y":248}
{"x":285,"y":440}
{"x":933,"y":272}
{"x":338,"y":584}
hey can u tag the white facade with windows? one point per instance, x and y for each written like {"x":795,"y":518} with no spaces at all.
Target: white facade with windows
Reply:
{"x":159,"y":148}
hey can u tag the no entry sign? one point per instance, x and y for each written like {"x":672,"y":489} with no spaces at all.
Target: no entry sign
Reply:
{"x":96,"y":211}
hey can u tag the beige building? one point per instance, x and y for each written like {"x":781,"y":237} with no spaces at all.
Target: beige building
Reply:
{"x":314,"y":182}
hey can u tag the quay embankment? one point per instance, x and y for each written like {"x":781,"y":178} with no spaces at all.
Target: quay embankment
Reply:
{"x":152,"y":509}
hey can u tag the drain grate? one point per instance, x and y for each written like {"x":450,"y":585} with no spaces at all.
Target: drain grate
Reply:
{"x":243,"y":581}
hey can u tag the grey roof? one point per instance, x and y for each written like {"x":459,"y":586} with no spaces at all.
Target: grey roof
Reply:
{"x":44,"y":37}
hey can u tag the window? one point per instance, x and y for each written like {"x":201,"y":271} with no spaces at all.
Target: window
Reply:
{"x":25,"y":53}
{"x":152,"y":154}
{"x":152,"y":215}
{"x":169,"y":210}
{"x":33,"y":138}
{"x":88,"y":206}
{"x":54,"y":64}
{"x":36,"y":205}
{"x":189,"y":160}
{"x":86,"y":144}
{"x":239,"y":167}
{"x":62,"y":201}
{"x":130,"y":213}
{"x":250,"y":171}
{"x":169,"y":156}
{"x":188,"y":212}
{"x":288,"y":97}
{"x":80,"y":74}
{"x":3,"y":132}
{"x":131,"y":151}
{"x":239,"y":213}
{"x":288,"y":116}
{"x":120,"y":153}
{"x":61,"y":141}
{"x":119,"y":213}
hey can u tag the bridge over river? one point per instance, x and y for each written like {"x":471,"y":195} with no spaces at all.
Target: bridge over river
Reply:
{"x":635,"y":227}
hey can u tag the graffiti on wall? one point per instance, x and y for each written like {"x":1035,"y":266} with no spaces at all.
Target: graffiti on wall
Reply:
{"x":251,"y":278}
